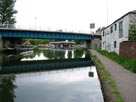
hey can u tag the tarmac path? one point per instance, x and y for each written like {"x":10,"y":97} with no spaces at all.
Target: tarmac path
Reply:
{"x":124,"y":79}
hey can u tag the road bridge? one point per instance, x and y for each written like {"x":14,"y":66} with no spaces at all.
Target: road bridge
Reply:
{"x":12,"y":34}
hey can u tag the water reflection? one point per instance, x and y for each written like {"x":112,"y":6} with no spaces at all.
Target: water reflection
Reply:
{"x":35,"y":58}
{"x":71,"y":85}
{"x":50,"y":54}
{"x":49,"y":76}
{"x":40,"y":61}
{"x":61,"y":54}
{"x":7,"y":87}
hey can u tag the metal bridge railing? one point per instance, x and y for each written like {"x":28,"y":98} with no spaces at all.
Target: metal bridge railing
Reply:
{"x":38,"y":28}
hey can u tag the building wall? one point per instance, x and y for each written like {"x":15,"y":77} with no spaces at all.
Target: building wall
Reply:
{"x":111,"y":39}
{"x":96,"y":44}
{"x":132,"y":19}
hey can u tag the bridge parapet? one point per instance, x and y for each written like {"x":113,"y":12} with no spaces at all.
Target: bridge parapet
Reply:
{"x":40,"y":28}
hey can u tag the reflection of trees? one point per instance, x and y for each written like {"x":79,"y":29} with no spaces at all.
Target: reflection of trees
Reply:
{"x":56,"y":54}
{"x":69,"y":54}
{"x":7,"y":88}
{"x":53,"y":54}
{"x":78,"y":53}
{"x":49,"y":54}
{"x":87,"y":54}
{"x":37,"y":52}
{"x":60,"y":54}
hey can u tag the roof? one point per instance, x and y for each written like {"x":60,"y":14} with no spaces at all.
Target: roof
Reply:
{"x":130,"y":12}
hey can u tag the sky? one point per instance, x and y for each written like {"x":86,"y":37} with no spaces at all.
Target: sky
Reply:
{"x":70,"y":15}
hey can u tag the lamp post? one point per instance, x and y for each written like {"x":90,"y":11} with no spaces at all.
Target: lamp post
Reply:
{"x":107,"y":11}
{"x":35,"y":22}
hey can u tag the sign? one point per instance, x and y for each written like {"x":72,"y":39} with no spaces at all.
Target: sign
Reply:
{"x":92,"y":25}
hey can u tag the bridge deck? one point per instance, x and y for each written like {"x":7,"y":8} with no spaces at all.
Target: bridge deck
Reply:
{"x":37,"y":34}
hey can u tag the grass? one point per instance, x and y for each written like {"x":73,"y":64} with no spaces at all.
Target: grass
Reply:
{"x":127,"y":63}
{"x":108,"y":85}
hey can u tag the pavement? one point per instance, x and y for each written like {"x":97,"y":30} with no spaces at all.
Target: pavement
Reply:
{"x":124,"y":79}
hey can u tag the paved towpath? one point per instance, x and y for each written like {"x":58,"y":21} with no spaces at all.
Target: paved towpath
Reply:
{"x":125,"y":80}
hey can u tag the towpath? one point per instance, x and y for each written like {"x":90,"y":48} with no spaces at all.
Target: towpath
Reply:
{"x":125,"y":80}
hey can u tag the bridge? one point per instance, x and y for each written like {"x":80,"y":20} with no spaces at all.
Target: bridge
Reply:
{"x":37,"y":34}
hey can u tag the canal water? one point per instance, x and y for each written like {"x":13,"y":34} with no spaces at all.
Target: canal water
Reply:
{"x":49,"y":76}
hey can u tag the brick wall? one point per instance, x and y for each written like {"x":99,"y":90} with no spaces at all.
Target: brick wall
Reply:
{"x":128,"y":49}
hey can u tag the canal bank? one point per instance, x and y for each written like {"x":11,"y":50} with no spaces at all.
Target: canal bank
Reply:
{"x":125,"y":80}
{"x":109,"y":88}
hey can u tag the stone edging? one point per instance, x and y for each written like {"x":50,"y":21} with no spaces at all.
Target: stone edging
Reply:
{"x":108,"y":86}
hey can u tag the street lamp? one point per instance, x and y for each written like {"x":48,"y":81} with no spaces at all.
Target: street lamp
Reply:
{"x":107,"y":11}
{"x":35,"y":22}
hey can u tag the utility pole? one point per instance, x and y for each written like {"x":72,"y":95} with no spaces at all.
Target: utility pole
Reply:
{"x":107,"y":12}
{"x":35,"y":22}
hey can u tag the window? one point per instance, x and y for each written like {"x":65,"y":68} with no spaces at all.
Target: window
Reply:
{"x":121,"y":29}
{"x":107,"y":32}
{"x":115,"y":44}
{"x":111,"y":29}
{"x":115,"y":27}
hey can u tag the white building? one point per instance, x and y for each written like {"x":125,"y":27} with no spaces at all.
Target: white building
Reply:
{"x":117,"y":32}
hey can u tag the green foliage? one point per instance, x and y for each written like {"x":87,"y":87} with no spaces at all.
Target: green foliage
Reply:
{"x":37,"y":41}
{"x":79,"y":41}
{"x":7,"y":88}
{"x":127,"y":63}
{"x":132,"y":35}
{"x":7,"y":12}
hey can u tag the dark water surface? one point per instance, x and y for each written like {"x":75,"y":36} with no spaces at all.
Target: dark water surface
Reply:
{"x":49,"y":76}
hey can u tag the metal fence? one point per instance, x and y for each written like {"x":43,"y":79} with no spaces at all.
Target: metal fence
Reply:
{"x":39,"y":28}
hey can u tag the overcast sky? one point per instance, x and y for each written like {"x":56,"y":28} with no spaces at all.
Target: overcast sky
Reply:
{"x":71,"y":14}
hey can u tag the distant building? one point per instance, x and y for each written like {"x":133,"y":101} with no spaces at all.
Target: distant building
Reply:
{"x":61,"y":44}
{"x":96,"y":43}
{"x":118,"y":32}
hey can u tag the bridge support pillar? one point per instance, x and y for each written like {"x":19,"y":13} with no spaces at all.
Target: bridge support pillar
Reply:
{"x":6,"y":42}
{"x":1,"y":43}
{"x":88,"y":44}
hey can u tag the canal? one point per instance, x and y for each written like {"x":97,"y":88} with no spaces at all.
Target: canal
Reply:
{"x":49,"y":76}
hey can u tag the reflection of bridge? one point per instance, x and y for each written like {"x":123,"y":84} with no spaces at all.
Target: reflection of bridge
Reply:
{"x":44,"y":65}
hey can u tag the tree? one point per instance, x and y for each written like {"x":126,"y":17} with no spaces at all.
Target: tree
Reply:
{"x":132,"y":35}
{"x":7,"y":12}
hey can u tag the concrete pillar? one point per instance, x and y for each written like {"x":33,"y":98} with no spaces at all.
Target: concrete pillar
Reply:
{"x":88,"y":44}
{"x":6,"y":42}
{"x":1,"y":43}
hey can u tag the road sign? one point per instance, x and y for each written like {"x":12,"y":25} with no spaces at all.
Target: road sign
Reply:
{"x":92,"y":25}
